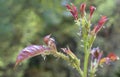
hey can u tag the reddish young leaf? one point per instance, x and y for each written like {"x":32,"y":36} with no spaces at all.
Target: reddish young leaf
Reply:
{"x":31,"y":51}
{"x":92,"y":9}
{"x":104,"y":60}
{"x":100,"y":24}
{"x":82,"y":9}
{"x":50,"y":41}
{"x":113,"y":56}
{"x":73,"y":10}
{"x":110,"y":58}
{"x":47,"y":39}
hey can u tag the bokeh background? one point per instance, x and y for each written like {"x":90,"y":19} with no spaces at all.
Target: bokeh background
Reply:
{"x":26,"y":22}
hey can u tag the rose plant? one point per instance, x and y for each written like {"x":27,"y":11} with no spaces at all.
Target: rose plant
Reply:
{"x":88,"y":35}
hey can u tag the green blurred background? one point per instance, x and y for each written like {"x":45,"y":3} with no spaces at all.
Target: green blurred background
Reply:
{"x":26,"y":22}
